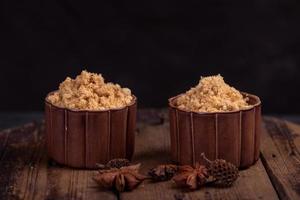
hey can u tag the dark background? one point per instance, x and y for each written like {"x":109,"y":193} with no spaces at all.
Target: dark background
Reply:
{"x":156,"y":48}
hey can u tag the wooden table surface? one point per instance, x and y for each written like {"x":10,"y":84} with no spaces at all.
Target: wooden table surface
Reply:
{"x":26,"y":172}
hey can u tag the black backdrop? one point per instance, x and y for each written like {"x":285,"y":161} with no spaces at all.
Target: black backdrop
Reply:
{"x":156,"y":48}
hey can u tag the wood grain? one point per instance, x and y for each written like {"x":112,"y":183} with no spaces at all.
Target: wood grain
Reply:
{"x":18,"y":149}
{"x":152,"y":148}
{"x":26,"y":172}
{"x":280,"y":155}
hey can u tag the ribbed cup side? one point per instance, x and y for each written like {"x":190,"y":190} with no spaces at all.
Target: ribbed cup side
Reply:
{"x":130,"y":139}
{"x":248,"y":138}
{"x":75,"y":148}
{"x":55,"y":124}
{"x":233,"y":136}
{"x":98,"y":137}
{"x":257,"y":132}
{"x":205,"y":137}
{"x":48,"y":128}
{"x":118,"y":129}
{"x":185,"y":140}
{"x":83,"y":138}
{"x":173,"y":135}
{"x":229,"y":136}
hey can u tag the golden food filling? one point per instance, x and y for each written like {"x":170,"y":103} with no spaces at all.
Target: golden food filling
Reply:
{"x":212,"y":94}
{"x":88,"y":91}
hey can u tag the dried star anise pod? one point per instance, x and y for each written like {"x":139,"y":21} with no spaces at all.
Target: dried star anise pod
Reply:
{"x":114,"y":163}
{"x":124,"y":178}
{"x":191,"y":177}
{"x":163,"y":172}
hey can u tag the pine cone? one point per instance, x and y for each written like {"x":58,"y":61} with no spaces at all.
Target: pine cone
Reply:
{"x":163,"y":172}
{"x":191,"y":177}
{"x":224,"y":173}
{"x":114,"y":163}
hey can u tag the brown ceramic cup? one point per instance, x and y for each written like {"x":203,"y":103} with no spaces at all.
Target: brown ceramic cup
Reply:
{"x":80,"y":138}
{"x":233,"y":136}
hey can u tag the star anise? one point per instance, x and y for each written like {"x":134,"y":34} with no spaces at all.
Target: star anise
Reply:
{"x":191,"y":177}
{"x":124,"y":178}
{"x":163,"y":172}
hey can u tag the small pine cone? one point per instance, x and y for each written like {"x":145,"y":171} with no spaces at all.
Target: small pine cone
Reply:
{"x":163,"y":172}
{"x":115,"y":163}
{"x":223,"y":172}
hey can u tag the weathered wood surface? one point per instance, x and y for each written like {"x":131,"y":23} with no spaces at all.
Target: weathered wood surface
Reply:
{"x":26,"y":173}
{"x":281,"y":157}
{"x":252,"y":184}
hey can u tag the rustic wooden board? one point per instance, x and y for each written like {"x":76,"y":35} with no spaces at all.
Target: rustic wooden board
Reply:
{"x":152,"y":148}
{"x":281,"y":157}
{"x":26,"y":173}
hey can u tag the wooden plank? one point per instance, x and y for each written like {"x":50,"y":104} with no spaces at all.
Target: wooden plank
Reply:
{"x":69,"y":183}
{"x":25,"y":173}
{"x":152,"y":148}
{"x":14,"y":147}
{"x":281,"y":157}
{"x":253,"y":183}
